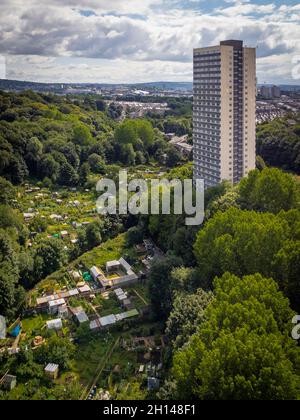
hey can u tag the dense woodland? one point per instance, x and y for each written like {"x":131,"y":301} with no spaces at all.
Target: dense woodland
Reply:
{"x":59,"y":141}
{"x":226,"y":292}
{"x":278,"y":143}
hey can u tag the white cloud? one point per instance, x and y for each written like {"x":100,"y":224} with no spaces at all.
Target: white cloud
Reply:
{"x":128,"y":40}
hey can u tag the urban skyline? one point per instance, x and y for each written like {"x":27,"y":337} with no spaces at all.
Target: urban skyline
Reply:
{"x":91,"y":41}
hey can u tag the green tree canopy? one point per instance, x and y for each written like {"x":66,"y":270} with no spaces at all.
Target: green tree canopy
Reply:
{"x":244,"y":242}
{"x":160,"y":286}
{"x":269,"y":190}
{"x":7,"y":192}
{"x":82,"y":135}
{"x":186,"y":316}
{"x":243,"y":350}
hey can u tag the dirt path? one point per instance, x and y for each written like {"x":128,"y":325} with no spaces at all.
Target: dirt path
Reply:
{"x":99,"y":370}
{"x":141,"y":297}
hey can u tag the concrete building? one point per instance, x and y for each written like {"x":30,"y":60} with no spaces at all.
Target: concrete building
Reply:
{"x":224,"y":112}
{"x":270,"y":92}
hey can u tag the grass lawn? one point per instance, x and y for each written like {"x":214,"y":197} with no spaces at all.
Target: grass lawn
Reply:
{"x":141,"y":297}
{"x":112,"y":249}
{"x":109,"y":306}
{"x":88,"y":357}
{"x":33,"y":325}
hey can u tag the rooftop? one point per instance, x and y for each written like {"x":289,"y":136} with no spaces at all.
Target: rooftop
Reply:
{"x":57,"y":302}
{"x":51,"y":368}
{"x":82,"y":317}
{"x":108,"y":320}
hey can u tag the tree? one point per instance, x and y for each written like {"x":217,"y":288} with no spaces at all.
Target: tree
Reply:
{"x":30,"y":370}
{"x":101,"y":105}
{"x":243,"y":350}
{"x":93,"y":234}
{"x":17,"y":170}
{"x":186,"y":316}
{"x":225,"y":202}
{"x":49,"y":256}
{"x":49,"y":167}
{"x":8,"y":281}
{"x":140,"y":158}
{"x":145,"y":132}
{"x":68,"y":175}
{"x":114,"y":111}
{"x":134,"y":235}
{"x":9,"y":274}
{"x":173,"y":157}
{"x":34,"y":151}
{"x":183,"y":172}
{"x":183,"y":241}
{"x":82,"y":135}
{"x":269,"y":190}
{"x":278,"y":143}
{"x":127,"y":154}
{"x":83,"y":332}
{"x":260,"y":163}
{"x":243,"y":242}
{"x":58,"y":350}
{"x":84,"y":173}
{"x":132,"y":392}
{"x":126,"y":133}
{"x":286,"y":269}
{"x":70,"y":153}
{"x":7,"y":192}
{"x":160,"y":286}
{"x":10,"y":219}
{"x":96,"y":163}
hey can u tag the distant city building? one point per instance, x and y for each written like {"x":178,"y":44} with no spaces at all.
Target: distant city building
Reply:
{"x":270,"y":92}
{"x":224,"y":112}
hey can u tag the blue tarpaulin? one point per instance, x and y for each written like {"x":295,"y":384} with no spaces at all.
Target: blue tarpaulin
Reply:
{"x":16,"y":331}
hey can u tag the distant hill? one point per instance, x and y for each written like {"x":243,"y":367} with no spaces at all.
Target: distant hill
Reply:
{"x":15,"y":85}
{"x":167,"y":85}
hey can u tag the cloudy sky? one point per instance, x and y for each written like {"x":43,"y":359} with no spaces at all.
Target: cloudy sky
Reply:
{"x":114,"y":41}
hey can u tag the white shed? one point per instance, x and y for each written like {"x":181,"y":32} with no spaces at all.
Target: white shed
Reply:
{"x":53,"y":305}
{"x":55,"y":324}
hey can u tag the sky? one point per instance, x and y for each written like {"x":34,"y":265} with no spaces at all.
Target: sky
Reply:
{"x":133,"y":41}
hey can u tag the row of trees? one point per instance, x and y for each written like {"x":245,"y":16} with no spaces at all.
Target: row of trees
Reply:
{"x":278,"y":143}
{"x":136,"y":142}
{"x":63,"y":142}
{"x":242,"y":350}
{"x":228,"y":315}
